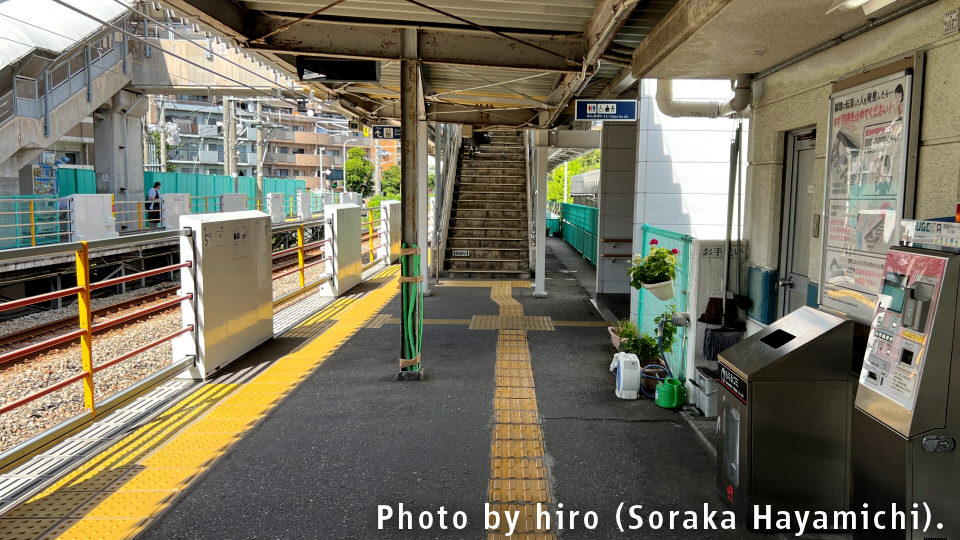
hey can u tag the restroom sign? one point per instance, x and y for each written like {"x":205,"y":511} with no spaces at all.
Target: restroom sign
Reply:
{"x":608,"y":109}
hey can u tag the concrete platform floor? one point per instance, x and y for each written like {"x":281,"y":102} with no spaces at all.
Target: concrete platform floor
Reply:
{"x":350,"y":437}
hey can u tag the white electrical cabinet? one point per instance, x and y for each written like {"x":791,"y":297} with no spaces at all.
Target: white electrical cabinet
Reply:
{"x":390,"y":226}
{"x":174,"y":205}
{"x":304,"y":211}
{"x":233,"y":202}
{"x":231,"y":280}
{"x":92,"y":218}
{"x":343,"y":231}
{"x":275,"y":207}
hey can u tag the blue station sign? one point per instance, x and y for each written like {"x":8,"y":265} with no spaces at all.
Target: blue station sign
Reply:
{"x":386,"y":132}
{"x":606,"y":109}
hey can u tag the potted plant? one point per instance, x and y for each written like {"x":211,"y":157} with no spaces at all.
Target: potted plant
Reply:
{"x":621,"y":331}
{"x":647,"y":349}
{"x":656,"y":271}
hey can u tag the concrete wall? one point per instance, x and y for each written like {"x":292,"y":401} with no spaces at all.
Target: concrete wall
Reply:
{"x":683,"y":167}
{"x":798,"y":97}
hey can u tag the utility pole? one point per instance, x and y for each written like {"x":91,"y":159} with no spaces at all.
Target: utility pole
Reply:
{"x":162,"y":123}
{"x":226,"y":136}
{"x":565,"y":163}
{"x":261,"y":151}
{"x":232,"y":152}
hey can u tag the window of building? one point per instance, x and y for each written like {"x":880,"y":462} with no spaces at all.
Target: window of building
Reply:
{"x":299,"y":150}
{"x":283,"y":149}
{"x":283,"y":172}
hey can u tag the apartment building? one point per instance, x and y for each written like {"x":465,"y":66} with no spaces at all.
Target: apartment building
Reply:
{"x":305,"y":144}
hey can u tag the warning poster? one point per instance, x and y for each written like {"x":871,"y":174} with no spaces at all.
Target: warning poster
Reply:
{"x":866,"y":170}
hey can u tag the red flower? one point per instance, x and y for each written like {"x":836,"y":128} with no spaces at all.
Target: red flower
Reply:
{"x":654,"y":242}
{"x":674,"y":251}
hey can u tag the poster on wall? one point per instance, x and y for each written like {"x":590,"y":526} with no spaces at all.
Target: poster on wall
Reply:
{"x":866,"y":173}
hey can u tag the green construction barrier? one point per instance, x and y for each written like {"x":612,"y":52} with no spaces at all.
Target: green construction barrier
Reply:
{"x":76,"y":181}
{"x":579,"y":229}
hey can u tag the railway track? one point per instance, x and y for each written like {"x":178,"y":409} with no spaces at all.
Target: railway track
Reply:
{"x":10,"y":341}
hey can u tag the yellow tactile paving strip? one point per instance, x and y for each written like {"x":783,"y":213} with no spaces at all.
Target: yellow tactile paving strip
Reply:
{"x":518,"y":476}
{"x":117,"y":493}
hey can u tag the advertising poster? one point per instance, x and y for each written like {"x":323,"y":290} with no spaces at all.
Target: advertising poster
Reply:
{"x":866,"y":171}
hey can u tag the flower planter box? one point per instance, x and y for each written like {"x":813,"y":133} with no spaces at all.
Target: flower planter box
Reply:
{"x":663,"y":290}
{"x":614,"y":338}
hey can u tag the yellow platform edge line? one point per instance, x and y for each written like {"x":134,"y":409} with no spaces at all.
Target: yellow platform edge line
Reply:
{"x":215,"y":416}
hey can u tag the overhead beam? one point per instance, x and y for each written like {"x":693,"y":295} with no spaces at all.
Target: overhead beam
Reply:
{"x":447,"y":47}
{"x":607,"y":20}
{"x":681,"y":22}
{"x":618,"y":84}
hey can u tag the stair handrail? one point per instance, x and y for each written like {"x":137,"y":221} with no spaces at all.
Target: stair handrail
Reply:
{"x":451,"y":154}
{"x":531,"y":217}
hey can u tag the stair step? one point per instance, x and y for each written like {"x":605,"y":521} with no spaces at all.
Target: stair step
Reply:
{"x":487,"y":248}
{"x":497,"y":238}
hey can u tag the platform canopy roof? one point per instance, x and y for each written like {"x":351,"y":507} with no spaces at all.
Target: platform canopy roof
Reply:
{"x":484,"y":62}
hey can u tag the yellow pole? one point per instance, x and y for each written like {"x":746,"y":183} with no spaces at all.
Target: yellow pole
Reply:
{"x":139,"y":216}
{"x":300,"y":253}
{"x":33,"y":227}
{"x":86,"y":322}
{"x":206,"y":205}
{"x":371,"y":236}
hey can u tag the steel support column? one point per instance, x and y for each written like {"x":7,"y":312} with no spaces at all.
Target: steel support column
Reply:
{"x":423,"y":204}
{"x":541,"y":155}
{"x":410,"y":366}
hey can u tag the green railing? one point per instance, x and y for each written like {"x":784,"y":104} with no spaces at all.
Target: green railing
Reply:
{"x":650,"y":307}
{"x":578,"y":228}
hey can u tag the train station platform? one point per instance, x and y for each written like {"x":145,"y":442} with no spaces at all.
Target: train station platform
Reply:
{"x":310,"y":435}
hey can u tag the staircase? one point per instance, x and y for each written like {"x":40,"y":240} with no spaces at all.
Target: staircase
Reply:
{"x":488,"y":230}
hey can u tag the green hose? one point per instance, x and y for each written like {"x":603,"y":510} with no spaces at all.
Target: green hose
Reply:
{"x":409,"y":307}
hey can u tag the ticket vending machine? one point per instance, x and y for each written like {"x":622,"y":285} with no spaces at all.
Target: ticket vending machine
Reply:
{"x":907,"y":413}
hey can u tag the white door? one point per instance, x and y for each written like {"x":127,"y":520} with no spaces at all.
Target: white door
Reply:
{"x":797,"y":229}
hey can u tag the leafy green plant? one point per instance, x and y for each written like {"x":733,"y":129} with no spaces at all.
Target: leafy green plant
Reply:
{"x":658,"y":266}
{"x":644,"y":345}
{"x":625,"y":329}
{"x":390,"y":180}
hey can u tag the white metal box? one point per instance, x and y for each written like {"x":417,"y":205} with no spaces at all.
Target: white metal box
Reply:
{"x":92,"y":218}
{"x":174,"y":205}
{"x":275,"y":207}
{"x":231,"y":280}
{"x":304,"y":211}
{"x":706,"y":394}
{"x":233,"y":202}
{"x":391,"y":229}
{"x":343,"y":231}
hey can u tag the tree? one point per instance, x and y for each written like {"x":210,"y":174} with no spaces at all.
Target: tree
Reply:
{"x":173,"y":150}
{"x":585,"y":163}
{"x":390,"y":183}
{"x":359,"y":172}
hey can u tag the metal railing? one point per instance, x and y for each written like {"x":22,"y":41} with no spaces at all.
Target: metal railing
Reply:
{"x":304,"y":262}
{"x":371,"y":238}
{"x":138,"y":215}
{"x":27,"y":222}
{"x":206,"y":204}
{"x":33,"y":98}
{"x":649,"y":307}
{"x":451,"y":151}
{"x":87,"y":327}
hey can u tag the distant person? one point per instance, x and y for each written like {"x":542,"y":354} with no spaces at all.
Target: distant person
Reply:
{"x":153,"y":206}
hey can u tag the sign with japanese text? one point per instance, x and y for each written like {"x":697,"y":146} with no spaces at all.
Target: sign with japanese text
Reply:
{"x":608,"y":109}
{"x":863,"y":204}
{"x":386,"y":132}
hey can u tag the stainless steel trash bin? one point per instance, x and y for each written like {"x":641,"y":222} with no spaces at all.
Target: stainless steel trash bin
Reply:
{"x":785,"y":402}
